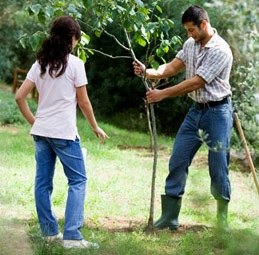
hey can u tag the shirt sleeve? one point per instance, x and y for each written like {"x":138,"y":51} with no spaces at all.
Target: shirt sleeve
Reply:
{"x":213,"y":65}
{"x":32,"y":74}
{"x":181,"y":55}
{"x":80,"y":78}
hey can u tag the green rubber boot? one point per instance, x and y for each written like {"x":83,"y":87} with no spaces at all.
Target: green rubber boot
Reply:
{"x":222,"y":214}
{"x":170,"y":210}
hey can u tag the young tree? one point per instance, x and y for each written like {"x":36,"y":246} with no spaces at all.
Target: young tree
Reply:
{"x":141,"y":23}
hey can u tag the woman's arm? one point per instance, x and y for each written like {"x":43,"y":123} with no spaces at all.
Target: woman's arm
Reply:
{"x":87,"y":110}
{"x":20,"y":98}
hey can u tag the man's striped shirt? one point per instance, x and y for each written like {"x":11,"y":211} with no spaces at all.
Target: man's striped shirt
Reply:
{"x":212,"y":63}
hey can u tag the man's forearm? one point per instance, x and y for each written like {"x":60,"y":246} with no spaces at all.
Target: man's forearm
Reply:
{"x":166,"y":70}
{"x":160,"y":73}
{"x":184,"y":87}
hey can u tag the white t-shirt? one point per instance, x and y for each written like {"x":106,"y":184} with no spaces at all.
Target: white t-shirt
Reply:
{"x":56,"y":112}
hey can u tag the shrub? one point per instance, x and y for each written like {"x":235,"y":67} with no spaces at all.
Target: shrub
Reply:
{"x":10,"y":113}
{"x":239,"y":26}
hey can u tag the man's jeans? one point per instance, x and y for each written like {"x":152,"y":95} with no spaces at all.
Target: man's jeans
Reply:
{"x":70,"y":154}
{"x":216,"y":123}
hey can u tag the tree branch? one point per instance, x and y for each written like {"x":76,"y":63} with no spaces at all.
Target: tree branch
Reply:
{"x":134,"y":58}
{"x":115,"y":38}
{"x":107,"y":55}
{"x":110,"y":35}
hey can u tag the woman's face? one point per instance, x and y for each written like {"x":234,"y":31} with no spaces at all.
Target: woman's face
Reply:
{"x":74,"y":42}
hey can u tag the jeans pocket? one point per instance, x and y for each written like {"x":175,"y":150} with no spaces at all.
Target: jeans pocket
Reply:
{"x":36,"y":138}
{"x":60,"y":143}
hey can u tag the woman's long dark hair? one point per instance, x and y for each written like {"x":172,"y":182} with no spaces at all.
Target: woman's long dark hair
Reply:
{"x":58,"y":45}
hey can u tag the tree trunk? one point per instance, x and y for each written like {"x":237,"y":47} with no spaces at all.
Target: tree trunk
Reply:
{"x":153,"y":121}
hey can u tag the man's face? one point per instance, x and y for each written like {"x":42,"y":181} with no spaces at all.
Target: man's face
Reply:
{"x":197,"y":33}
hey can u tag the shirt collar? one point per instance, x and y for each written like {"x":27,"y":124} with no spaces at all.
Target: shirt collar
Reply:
{"x":213,"y":40}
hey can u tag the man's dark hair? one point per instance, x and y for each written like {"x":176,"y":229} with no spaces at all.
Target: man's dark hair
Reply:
{"x":196,"y":15}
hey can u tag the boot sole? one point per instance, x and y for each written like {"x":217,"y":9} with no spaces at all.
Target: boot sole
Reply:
{"x":167,"y":227}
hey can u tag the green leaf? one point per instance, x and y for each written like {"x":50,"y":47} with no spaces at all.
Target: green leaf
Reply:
{"x":144,"y":34}
{"x":151,"y":26}
{"x":85,"y":39}
{"x":155,"y":64}
{"x":166,"y":49}
{"x":148,"y":37}
{"x":90,"y":51}
{"x":170,"y":23}
{"x":165,"y":26}
{"x":128,"y":25}
{"x":60,"y":4}
{"x":50,"y":11}
{"x":121,"y":9}
{"x":30,"y":10}
{"x":135,"y":28}
{"x":140,"y":18}
{"x":165,"y":43}
{"x":35,"y":41}
{"x":159,"y":9}
{"x":58,"y":12}
{"x":151,"y":58}
{"x":141,"y":41}
{"x":43,"y":2}
{"x":42,"y":17}
{"x":87,"y":3}
{"x":82,"y":55}
{"x":23,"y":41}
{"x":35,"y":8}
{"x":98,"y":33}
{"x":132,"y":12}
{"x":175,"y":40}
{"x":139,"y":3}
{"x":73,"y":11}
{"x":160,"y":53}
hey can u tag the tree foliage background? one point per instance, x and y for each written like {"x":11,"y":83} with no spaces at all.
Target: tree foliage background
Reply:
{"x":117,"y":95}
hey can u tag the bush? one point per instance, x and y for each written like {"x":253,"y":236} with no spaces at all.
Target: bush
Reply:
{"x":239,"y":25}
{"x":10,"y":113}
{"x":14,"y":24}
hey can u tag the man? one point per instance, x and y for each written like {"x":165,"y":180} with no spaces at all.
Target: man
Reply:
{"x":207,"y":59}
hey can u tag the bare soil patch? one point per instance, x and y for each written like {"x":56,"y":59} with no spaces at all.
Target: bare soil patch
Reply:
{"x":13,"y":238}
{"x":10,"y":129}
{"x":124,"y":224}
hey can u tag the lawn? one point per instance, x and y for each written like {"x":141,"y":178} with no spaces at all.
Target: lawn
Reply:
{"x":118,"y":199}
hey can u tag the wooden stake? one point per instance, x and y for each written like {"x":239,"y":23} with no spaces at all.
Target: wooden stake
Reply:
{"x":248,"y":155}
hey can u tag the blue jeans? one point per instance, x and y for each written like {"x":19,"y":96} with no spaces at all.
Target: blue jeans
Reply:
{"x":216,"y":122}
{"x":70,"y":154}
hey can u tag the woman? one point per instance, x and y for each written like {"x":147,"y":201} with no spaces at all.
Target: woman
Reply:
{"x":61,"y":80}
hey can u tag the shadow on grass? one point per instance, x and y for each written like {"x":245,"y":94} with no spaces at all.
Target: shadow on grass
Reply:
{"x":209,"y":241}
{"x":13,"y":237}
{"x":238,"y":242}
{"x":131,"y":239}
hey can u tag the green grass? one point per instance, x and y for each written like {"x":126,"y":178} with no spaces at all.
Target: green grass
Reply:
{"x":118,"y":194}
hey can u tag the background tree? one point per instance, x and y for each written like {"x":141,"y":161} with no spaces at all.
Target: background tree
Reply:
{"x":236,"y":21}
{"x":13,"y":22}
{"x":240,"y":27}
